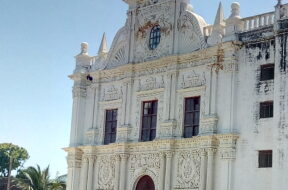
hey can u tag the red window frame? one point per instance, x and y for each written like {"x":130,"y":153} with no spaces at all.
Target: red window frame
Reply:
{"x":110,"y":126}
{"x":191,"y":116}
{"x":149,"y":120}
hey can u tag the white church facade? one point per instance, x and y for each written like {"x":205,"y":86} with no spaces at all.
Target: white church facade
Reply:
{"x":178,"y":104}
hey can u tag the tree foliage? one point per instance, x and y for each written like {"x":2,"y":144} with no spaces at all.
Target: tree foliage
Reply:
{"x":7,"y":151}
{"x":33,"y":178}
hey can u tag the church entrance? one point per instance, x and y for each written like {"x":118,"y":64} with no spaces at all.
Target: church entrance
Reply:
{"x":145,"y":183}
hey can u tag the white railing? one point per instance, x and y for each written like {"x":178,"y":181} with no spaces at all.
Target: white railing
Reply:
{"x":258,"y":21}
{"x":208,"y":30}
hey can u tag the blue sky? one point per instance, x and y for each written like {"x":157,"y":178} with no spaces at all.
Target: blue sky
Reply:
{"x":38,"y":42}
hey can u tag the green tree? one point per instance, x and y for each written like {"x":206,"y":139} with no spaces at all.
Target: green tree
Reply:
{"x":11,"y":156}
{"x":33,"y":178}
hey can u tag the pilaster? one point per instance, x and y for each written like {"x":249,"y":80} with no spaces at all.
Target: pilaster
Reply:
{"x":74,"y":160}
{"x":169,"y":156}
{"x":123,"y":172}
{"x":117,"y":171}
{"x":210,"y":168}
{"x":203,"y":170}
{"x":162,"y":171}
{"x":91,"y":162}
{"x":78,"y":113}
{"x":84,"y":173}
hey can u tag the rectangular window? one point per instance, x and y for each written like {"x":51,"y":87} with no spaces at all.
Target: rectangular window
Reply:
{"x":149,"y":121}
{"x":110,"y":126}
{"x":267,"y":72}
{"x":265,"y":159}
{"x":191,"y":117}
{"x":266,"y":109}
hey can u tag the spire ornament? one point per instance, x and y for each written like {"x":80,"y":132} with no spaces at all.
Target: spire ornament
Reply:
{"x":218,"y":27}
{"x":103,"y":47}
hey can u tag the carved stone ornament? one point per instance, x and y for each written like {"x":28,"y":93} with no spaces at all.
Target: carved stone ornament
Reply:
{"x":151,"y":83}
{"x":144,"y":161}
{"x":74,"y":160}
{"x":112,"y":93}
{"x":192,"y":79}
{"x":106,"y":173}
{"x":188,"y":172}
{"x":208,"y":124}
{"x":79,"y":91}
{"x":146,"y":18}
{"x":190,"y":32}
{"x":227,"y":146}
{"x":123,"y":133}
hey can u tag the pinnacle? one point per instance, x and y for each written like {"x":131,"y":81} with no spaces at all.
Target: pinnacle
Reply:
{"x":103,"y":47}
{"x":220,"y":15}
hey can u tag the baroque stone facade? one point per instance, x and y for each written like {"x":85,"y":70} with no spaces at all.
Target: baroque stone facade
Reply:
{"x":223,"y":64}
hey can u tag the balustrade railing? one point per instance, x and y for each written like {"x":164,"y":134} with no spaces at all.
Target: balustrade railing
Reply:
{"x":258,"y":21}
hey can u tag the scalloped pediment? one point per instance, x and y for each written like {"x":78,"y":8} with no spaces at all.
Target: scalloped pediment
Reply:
{"x":190,"y":36}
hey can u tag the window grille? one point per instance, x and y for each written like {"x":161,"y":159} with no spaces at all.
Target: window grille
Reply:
{"x":155,"y":37}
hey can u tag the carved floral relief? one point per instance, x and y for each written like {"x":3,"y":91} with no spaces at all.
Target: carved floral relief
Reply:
{"x":106,"y":172}
{"x":188,"y":171}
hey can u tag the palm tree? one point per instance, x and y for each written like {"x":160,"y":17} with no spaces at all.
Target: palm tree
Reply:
{"x":33,"y":178}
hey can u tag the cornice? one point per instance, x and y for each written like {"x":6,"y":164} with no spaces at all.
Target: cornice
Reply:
{"x":202,"y":57}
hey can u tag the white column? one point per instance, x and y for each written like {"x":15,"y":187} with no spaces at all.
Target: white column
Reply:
{"x":210,"y":169}
{"x":91,"y":160}
{"x":117,"y":172}
{"x":74,"y":161}
{"x":162,"y":170}
{"x":203,"y":170}
{"x":168,"y":170}
{"x":123,"y":171}
{"x":84,"y":173}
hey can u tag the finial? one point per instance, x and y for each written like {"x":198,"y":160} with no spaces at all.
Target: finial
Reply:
{"x":279,"y":2}
{"x":103,"y":47}
{"x":235,"y":10}
{"x":219,"y":20}
{"x":84,"y":48}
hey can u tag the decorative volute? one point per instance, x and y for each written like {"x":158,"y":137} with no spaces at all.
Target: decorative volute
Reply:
{"x":218,"y":27}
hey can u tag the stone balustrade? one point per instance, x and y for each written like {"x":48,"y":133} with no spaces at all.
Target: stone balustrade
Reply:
{"x":258,"y":21}
{"x":208,"y":30}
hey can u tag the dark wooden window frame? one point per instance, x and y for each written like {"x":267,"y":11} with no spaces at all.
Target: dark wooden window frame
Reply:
{"x":110,"y":126}
{"x":267,"y":72}
{"x":265,"y":159}
{"x":266,"y":109}
{"x":191,"y":128}
{"x":148,"y":131}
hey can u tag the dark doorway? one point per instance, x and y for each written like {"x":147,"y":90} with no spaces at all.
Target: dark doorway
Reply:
{"x":145,"y":183}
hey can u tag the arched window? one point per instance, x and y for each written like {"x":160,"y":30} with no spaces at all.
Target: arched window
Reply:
{"x":155,"y":36}
{"x":145,"y":183}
